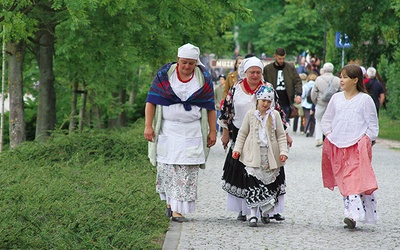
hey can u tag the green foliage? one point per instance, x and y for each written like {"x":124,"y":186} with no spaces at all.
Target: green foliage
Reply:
{"x":297,"y":30}
{"x":250,"y":31}
{"x":81,"y":191}
{"x":390,"y":70}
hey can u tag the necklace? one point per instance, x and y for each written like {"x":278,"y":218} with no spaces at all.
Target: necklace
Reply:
{"x":179,"y":77}
{"x":247,"y":87}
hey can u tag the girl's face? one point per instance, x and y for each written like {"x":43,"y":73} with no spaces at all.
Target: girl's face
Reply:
{"x":347,"y":83}
{"x":263,"y":105}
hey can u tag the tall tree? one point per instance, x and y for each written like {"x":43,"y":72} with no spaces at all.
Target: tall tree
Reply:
{"x":17,"y":122}
{"x":296,"y":29}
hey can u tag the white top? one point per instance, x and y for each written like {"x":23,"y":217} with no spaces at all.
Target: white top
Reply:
{"x":349,"y":120}
{"x":180,"y":139}
{"x":242,"y":103}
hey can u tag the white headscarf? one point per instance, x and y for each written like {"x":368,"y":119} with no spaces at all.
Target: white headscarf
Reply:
{"x":249,"y":62}
{"x":190,"y":51}
{"x":266,"y":92}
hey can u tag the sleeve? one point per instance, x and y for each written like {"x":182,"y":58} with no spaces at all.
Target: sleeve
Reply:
{"x":298,"y":83}
{"x":304,"y":93}
{"x":243,"y":132}
{"x":281,"y":135}
{"x":314,"y":94}
{"x":371,"y":118}
{"x":326,"y":121}
{"x":227,"y":110}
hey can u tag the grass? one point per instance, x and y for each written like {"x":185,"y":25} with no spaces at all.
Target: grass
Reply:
{"x":83,"y":191}
{"x":388,"y":128}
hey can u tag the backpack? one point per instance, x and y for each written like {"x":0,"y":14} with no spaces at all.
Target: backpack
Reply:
{"x":329,"y":91}
{"x":308,"y":97}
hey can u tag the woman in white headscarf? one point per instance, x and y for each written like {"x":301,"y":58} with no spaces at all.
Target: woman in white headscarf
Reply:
{"x":262,"y":146}
{"x":180,"y":125}
{"x":240,"y":98}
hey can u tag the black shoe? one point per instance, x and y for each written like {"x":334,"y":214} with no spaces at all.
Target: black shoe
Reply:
{"x":168,"y":212}
{"x":277,"y":217}
{"x":241,"y":217}
{"x":179,"y":219}
{"x":253,"y":222}
{"x":350,"y":223}
{"x":265,"y":220}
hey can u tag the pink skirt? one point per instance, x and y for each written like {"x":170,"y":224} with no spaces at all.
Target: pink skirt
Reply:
{"x":349,"y":169}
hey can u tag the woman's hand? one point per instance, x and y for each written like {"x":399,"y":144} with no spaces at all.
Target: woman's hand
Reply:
{"x":149,"y":133}
{"x":225,"y":138}
{"x":211,"y":138}
{"x":289,"y":139}
{"x":283,"y":158}
{"x":235,"y":155}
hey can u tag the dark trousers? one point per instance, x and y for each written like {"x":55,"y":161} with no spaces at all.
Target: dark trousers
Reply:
{"x":310,"y":122}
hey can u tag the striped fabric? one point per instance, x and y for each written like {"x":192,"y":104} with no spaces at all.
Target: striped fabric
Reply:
{"x":161,"y":92}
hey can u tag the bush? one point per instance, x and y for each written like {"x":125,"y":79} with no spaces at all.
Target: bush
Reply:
{"x":86,"y":190}
{"x":389,"y":70}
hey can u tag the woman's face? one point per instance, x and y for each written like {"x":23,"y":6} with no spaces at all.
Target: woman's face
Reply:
{"x":186,"y":66}
{"x":347,"y":83}
{"x":263,"y":105}
{"x":253,"y":75}
{"x":239,"y":61}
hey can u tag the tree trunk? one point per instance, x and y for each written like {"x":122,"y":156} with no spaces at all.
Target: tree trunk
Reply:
{"x":82,"y":113}
{"x":73,"y":108}
{"x":95,"y":113}
{"x":17,"y":120}
{"x":122,"y":116}
{"x":132,"y":97}
{"x":46,"y":115}
{"x":114,"y":122}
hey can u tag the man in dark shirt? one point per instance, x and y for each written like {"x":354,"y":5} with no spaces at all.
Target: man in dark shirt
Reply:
{"x":375,"y":88}
{"x":285,"y":79}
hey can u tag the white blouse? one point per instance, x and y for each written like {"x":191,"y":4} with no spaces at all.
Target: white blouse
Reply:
{"x":180,"y":140}
{"x":349,"y":120}
{"x":242,"y":103}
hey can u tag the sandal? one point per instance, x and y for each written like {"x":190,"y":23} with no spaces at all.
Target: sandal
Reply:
{"x":350,"y":223}
{"x":253,"y":223}
{"x":241,"y":217}
{"x":264,"y":217}
{"x":168,"y":212}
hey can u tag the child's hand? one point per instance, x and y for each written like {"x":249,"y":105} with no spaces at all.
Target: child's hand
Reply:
{"x":283,"y":158}
{"x":235,"y":155}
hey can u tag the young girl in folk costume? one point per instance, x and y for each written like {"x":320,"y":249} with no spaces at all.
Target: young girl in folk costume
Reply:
{"x":262,"y":146}
{"x":350,"y":124}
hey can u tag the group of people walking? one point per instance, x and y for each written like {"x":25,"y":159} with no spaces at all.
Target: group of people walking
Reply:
{"x":180,"y":125}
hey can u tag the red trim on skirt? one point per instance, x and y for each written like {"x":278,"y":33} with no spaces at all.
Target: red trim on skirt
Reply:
{"x":349,"y":169}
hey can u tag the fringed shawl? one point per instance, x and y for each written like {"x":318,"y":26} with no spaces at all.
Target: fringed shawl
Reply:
{"x":161,"y":92}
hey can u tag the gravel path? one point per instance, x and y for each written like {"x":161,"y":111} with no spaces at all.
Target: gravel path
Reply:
{"x":314,"y":215}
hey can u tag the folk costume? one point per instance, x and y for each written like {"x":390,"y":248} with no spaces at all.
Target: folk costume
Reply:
{"x":235,"y":107}
{"x":347,"y":153}
{"x":180,"y":125}
{"x":261,"y":141}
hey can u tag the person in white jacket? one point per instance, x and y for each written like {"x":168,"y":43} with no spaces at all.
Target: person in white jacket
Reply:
{"x":262,"y":146}
{"x":350,"y":125}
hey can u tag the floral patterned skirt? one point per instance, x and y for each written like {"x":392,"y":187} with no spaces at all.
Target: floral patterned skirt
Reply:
{"x":178,"y":185}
